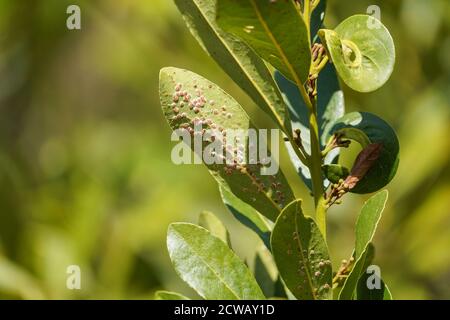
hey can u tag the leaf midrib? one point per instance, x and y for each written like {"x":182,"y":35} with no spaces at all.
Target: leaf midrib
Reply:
{"x":301,"y":252}
{"x":245,"y":72}
{"x":275,"y":43}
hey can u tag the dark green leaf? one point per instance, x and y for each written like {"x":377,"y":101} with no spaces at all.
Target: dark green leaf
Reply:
{"x":274,"y":29}
{"x":250,"y":182}
{"x":362,"y":290}
{"x":247,"y":215}
{"x":234,"y":56}
{"x":364,"y":293}
{"x":301,"y":254}
{"x":362,"y":50}
{"x":317,"y":17}
{"x":210,"y":222}
{"x":168,"y":295}
{"x":367,"y":128}
{"x":208,"y":265}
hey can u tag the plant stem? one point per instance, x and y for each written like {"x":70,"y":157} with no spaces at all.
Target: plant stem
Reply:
{"x":306,"y":14}
{"x":315,"y":160}
{"x":315,"y":169}
{"x":315,"y":163}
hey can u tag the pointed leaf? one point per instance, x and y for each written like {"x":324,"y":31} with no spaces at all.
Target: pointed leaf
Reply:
{"x":240,"y":62}
{"x":168,"y":295}
{"x":208,"y":265}
{"x":362,"y":50}
{"x":301,"y":254}
{"x":330,"y":107}
{"x":367,"y":128}
{"x":210,"y":222}
{"x":365,"y":229}
{"x":247,"y":215}
{"x":274,"y":29}
{"x":216,"y":109}
{"x":368,"y":219}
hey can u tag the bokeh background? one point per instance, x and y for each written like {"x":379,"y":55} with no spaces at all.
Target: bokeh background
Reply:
{"x":85,"y":170}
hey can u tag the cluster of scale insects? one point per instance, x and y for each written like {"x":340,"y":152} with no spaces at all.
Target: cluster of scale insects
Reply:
{"x":318,"y":265}
{"x":184,"y":103}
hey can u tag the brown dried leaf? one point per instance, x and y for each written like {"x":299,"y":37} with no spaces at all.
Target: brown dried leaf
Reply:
{"x":364,"y":161}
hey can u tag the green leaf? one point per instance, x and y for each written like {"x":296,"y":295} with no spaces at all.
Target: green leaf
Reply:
{"x":208,"y":265}
{"x":210,"y":222}
{"x":367,"y":128}
{"x":330,"y":107}
{"x":335,"y":172}
{"x":364,"y":293}
{"x":301,"y":254}
{"x":247,"y":215}
{"x":365,"y":229}
{"x":266,"y":273}
{"x":249,"y":182}
{"x":362,"y":51}
{"x":168,"y":295}
{"x":368,"y":219}
{"x":240,"y":62}
{"x":274,"y":29}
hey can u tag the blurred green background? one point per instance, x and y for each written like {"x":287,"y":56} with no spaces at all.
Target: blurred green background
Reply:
{"x":85,"y":170}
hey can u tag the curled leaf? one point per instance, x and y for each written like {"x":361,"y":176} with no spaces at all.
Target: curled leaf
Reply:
{"x":377,"y":165}
{"x":362,"y":50}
